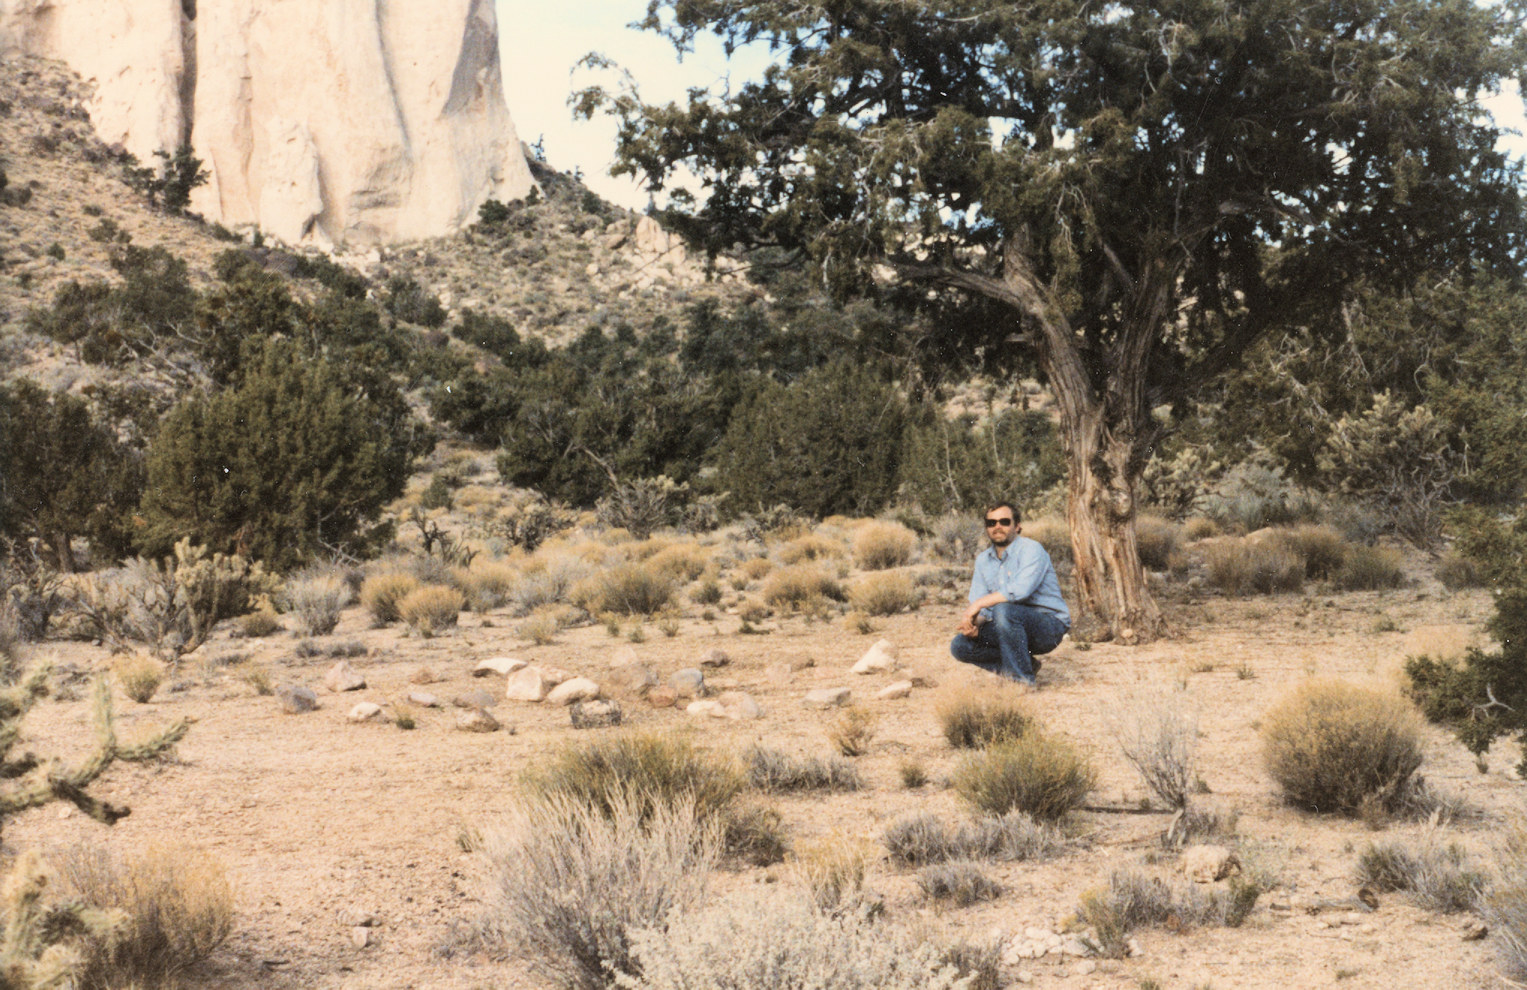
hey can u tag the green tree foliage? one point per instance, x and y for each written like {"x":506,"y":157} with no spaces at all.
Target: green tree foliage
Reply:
{"x":63,"y":474}
{"x":1136,"y":193}
{"x":168,"y":184}
{"x":1485,"y":696}
{"x":153,"y":306}
{"x":955,"y":465}
{"x":828,"y":443}
{"x":296,"y":458}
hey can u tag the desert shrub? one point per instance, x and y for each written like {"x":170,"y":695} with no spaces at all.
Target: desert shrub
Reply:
{"x":913,"y":774}
{"x":431,"y":608}
{"x":642,"y":505}
{"x":381,"y":593}
{"x":298,"y":457}
{"x":974,"y":719}
{"x":1504,"y":904}
{"x":140,"y":676}
{"x":957,"y":537}
{"x":177,"y":905}
{"x":681,"y":561}
{"x":926,"y":838}
{"x":809,"y":547}
{"x":1244,"y":566}
{"x":852,"y":731}
{"x":1338,"y":748}
{"x":1158,"y":735}
{"x":1254,"y":495}
{"x":1437,"y":875}
{"x":1054,"y":535}
{"x":315,"y":601}
{"x":260,"y":623}
{"x":1134,"y":899}
{"x":1457,"y":572}
{"x":741,"y":944}
{"x":833,"y":869}
{"x":754,"y":833}
{"x":881,"y":545}
{"x":803,"y":584}
{"x":1157,"y":540}
{"x":655,"y":769}
{"x":1199,"y":528}
{"x":410,"y":302}
{"x":1397,"y":459}
{"x":776,"y":772}
{"x":548,"y":580}
{"x":1370,"y":569}
{"x":886,"y":593}
{"x":626,"y":589}
{"x":963,"y":463}
{"x":569,"y":882}
{"x":961,"y":883}
{"x":487,"y":584}
{"x":1322,"y":548}
{"x":1039,"y":774}
{"x":707,"y":592}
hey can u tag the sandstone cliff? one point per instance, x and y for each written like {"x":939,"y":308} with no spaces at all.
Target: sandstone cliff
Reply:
{"x":321,"y":121}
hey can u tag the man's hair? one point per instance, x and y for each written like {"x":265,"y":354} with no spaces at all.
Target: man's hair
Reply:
{"x":1004,"y":504}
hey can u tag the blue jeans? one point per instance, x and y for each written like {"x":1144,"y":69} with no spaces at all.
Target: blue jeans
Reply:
{"x":1008,"y":643}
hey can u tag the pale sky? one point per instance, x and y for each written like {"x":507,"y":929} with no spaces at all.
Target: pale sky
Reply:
{"x":541,"y":41}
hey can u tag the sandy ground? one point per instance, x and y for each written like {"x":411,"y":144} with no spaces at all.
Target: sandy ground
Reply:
{"x":313,"y":815}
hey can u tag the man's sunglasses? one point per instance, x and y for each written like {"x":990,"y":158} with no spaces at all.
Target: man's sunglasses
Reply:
{"x":999,"y":522}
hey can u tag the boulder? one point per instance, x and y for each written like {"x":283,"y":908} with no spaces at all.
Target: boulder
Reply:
{"x":662,"y":696}
{"x":423,"y":699}
{"x":296,"y":700}
{"x":632,"y":680}
{"x":827,"y":698}
{"x":503,"y":666}
{"x":715,"y":658}
{"x":343,"y":677}
{"x":705,"y":707}
{"x":366,"y":711}
{"x":739,"y":705}
{"x":596,"y":714}
{"x":423,"y":675}
{"x":895,"y":691}
{"x":877,"y":659}
{"x":476,"y":720}
{"x":574,"y":689}
{"x":688,"y":683}
{"x":528,"y":684}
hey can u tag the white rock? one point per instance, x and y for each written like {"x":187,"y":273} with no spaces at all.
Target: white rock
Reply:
{"x":574,"y":689}
{"x":476,"y":720}
{"x":423,"y":699}
{"x":688,"y":683}
{"x":527,"y":684}
{"x":706,"y":707}
{"x":503,"y":666}
{"x":739,"y":705}
{"x":827,"y":698}
{"x":360,"y":937}
{"x":366,"y":711}
{"x":892,"y":692}
{"x":296,"y":700}
{"x":343,"y":677}
{"x":877,"y":659}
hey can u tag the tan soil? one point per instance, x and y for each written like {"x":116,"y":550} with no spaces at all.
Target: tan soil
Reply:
{"x":312,"y":815}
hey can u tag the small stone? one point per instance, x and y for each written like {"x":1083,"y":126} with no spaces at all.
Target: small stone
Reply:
{"x":1473,"y":930}
{"x":1135,"y":949}
{"x":688,"y":683}
{"x":503,"y":666}
{"x":296,"y":700}
{"x":571,"y":690}
{"x":1367,"y":928}
{"x":877,"y":659}
{"x":1025,"y":977}
{"x":1085,"y":968}
{"x":1206,"y":864}
{"x":715,"y":658}
{"x":739,"y":705}
{"x":476,"y":720}
{"x":366,"y":711}
{"x":1036,"y":934}
{"x":594,"y":714}
{"x":779,"y":674}
{"x":423,"y":675}
{"x":423,"y":699}
{"x":1353,"y":918}
{"x":662,"y":696}
{"x":827,"y":698}
{"x":706,"y":707}
{"x":476,"y":698}
{"x":632,"y":680}
{"x":528,"y":684}
{"x":343,"y":677}
{"x":357,"y":918}
{"x":554,"y":675}
{"x":893,"y":692}
{"x":360,"y":937}
{"x":1073,"y":947}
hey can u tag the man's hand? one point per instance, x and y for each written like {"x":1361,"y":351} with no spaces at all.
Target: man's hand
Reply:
{"x":969,"y":626}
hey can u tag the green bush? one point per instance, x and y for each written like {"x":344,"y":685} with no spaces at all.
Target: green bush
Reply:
{"x":626,"y":589}
{"x":1322,"y":548}
{"x":963,"y":465}
{"x":296,"y":460}
{"x":1041,"y":775}
{"x":1370,"y":569}
{"x":975,"y":719}
{"x":1338,"y":748}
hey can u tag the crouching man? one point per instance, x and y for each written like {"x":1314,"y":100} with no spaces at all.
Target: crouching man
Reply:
{"x":1016,"y":611}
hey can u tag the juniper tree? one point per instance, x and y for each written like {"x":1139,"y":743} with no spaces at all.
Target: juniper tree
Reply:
{"x":1133,"y":193}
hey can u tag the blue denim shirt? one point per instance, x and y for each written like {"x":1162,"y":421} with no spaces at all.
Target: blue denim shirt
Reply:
{"x":1024,"y":574}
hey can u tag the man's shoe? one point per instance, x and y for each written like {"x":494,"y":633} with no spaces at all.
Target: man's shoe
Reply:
{"x":1037,"y":664}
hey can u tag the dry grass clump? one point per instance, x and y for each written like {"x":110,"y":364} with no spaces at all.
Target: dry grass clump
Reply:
{"x":853,"y":731}
{"x":1244,"y":566}
{"x":812,"y":546}
{"x":541,"y":628}
{"x":569,"y":882}
{"x":1054,"y":535}
{"x":1322,"y":548}
{"x":782,"y":941}
{"x":1457,"y":572}
{"x":1134,"y":899}
{"x":1437,"y":875}
{"x":801,"y":586}
{"x":755,"y":568}
{"x":1199,"y":528}
{"x":1335,"y":747}
{"x":1370,"y":569}
{"x":176,"y":905}
{"x":961,"y":883}
{"x":1504,"y":906}
{"x":316,"y":601}
{"x":626,"y":589}
{"x":656,"y":769}
{"x":776,"y":772}
{"x":755,"y":834}
{"x":882,"y":545}
{"x":1157,"y":540}
{"x":885,"y":593}
{"x":431,"y":609}
{"x":833,"y":869}
{"x":260,"y":623}
{"x":957,"y":537}
{"x":706,"y":592}
{"x":381,"y":592}
{"x":1158,"y":734}
{"x":547,"y":580}
{"x":973,"y":719}
{"x":487,"y":584}
{"x":682,"y":562}
{"x":140,"y":676}
{"x":1039,"y":774}
{"x":926,"y":838}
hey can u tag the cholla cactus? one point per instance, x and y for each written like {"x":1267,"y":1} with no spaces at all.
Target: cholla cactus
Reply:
{"x":37,"y":937}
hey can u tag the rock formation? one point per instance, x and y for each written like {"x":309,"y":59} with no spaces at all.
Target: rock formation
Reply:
{"x":351,"y":122}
